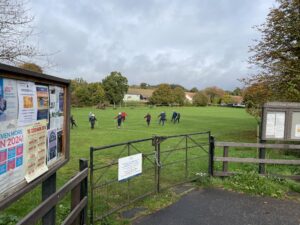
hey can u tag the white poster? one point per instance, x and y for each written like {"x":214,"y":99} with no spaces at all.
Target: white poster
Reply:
{"x":270,"y":128}
{"x":27,"y":103}
{"x":11,"y":159}
{"x":8,"y":104}
{"x":279,"y":127}
{"x":56,"y":107}
{"x":130,"y":166}
{"x":297,"y":130}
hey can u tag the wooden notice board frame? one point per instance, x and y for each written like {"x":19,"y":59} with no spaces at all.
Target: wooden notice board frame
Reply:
{"x":289,"y":110}
{"x":10,"y":72}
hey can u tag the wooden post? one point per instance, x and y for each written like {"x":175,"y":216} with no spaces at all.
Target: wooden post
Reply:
{"x":225,"y":164}
{"x":83,"y":164}
{"x":48,"y":188}
{"x":211,"y":155}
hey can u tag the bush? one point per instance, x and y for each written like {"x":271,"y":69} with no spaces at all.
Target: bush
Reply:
{"x":200,"y":99}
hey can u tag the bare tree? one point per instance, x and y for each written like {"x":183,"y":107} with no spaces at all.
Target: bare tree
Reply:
{"x":15,"y":30}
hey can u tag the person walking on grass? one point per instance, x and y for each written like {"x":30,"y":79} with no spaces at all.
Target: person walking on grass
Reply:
{"x":148,"y":118}
{"x":123,"y":114}
{"x":119,"y":119}
{"x":174,"y":115}
{"x":73,"y":122}
{"x":93,"y":120}
{"x":177,"y":119}
{"x":162,"y":118}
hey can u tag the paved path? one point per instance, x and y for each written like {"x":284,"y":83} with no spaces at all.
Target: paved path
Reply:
{"x":219,"y":207}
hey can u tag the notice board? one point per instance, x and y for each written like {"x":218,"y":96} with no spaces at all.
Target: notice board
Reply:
{"x":34,"y":129}
{"x":281,"y":121}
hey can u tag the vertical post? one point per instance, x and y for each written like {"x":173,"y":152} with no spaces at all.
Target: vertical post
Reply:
{"x":91,"y":185}
{"x":157,"y":159}
{"x":225,"y":164}
{"x":48,"y":188}
{"x":186,"y":156}
{"x":83,"y":164}
{"x":211,"y":155}
{"x":262,"y":151}
{"x":128,"y":181}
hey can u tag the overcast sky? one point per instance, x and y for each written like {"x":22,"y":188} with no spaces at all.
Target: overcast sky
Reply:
{"x":195,"y":43}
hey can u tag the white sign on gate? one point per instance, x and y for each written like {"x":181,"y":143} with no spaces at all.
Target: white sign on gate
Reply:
{"x":130,"y":166}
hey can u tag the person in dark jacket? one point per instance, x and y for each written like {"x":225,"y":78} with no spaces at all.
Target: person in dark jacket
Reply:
{"x":162,"y":118}
{"x":73,"y":122}
{"x":148,"y":118}
{"x":174,"y":115}
{"x":93,"y":120}
{"x":177,"y":118}
{"x":119,"y":119}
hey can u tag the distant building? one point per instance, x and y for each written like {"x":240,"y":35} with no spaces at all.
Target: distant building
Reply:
{"x":189,"y":96}
{"x":138,"y":94}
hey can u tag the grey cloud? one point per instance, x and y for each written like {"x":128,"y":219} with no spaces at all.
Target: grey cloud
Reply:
{"x":193,"y":42}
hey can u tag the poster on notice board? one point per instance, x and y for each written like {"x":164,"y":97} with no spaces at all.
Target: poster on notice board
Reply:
{"x":52,"y":146}
{"x":42,"y":93}
{"x":11,"y":158}
{"x":8,"y":104}
{"x":56,"y":107}
{"x":27,"y":103}
{"x":35,"y":150}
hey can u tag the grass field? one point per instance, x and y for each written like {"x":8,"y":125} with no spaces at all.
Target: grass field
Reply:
{"x":226,"y":124}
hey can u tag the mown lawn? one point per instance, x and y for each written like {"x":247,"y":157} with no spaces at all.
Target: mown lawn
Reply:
{"x":226,"y":124}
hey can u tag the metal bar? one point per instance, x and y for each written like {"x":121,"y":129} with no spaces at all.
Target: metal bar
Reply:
{"x":48,"y":188}
{"x":258,"y":145}
{"x":186,"y":157}
{"x":71,"y":218}
{"x":198,"y":144}
{"x":92,"y":185}
{"x":53,"y":199}
{"x":120,"y":144}
{"x":189,"y":134}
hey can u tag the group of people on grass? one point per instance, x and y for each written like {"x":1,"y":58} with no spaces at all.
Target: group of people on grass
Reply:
{"x":122,"y":116}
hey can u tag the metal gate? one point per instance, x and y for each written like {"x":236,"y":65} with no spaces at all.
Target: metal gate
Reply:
{"x":167,"y":161}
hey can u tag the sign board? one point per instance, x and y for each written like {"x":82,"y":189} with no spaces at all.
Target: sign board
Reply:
{"x":281,"y":121}
{"x":130,"y":166}
{"x":34,"y":129}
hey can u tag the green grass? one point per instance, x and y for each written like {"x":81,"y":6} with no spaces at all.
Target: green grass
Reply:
{"x":226,"y":124}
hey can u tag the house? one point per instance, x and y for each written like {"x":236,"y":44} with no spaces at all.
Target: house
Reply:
{"x":189,"y":96}
{"x":138,"y":94}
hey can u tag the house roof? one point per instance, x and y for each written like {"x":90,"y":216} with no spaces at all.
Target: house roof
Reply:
{"x":139,"y":91}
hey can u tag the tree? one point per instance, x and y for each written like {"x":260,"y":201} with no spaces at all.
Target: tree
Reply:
{"x":227,"y":99}
{"x":178,"y":95}
{"x":214,"y":94}
{"x":162,"y":95}
{"x":200,"y":99}
{"x":194,"y":90}
{"x":144,"y":85}
{"x":255,"y":96}
{"x":15,"y":30}
{"x":173,"y":86}
{"x":32,"y":67}
{"x":277,"y":53}
{"x":115,"y":87}
{"x":237,"y":91}
{"x":96,"y":93}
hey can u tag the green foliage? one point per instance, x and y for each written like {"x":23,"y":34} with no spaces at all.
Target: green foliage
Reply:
{"x":227,"y":99}
{"x":214,"y":94}
{"x":200,"y":99}
{"x":253,"y":183}
{"x":86,"y":94}
{"x":32,"y":67}
{"x":115,"y":87}
{"x":7,"y":219}
{"x":178,"y":95}
{"x":162,"y":95}
{"x":194,"y":90}
{"x":277,"y":53}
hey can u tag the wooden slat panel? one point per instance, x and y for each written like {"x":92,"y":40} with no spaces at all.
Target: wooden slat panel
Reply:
{"x":75,"y":212}
{"x":253,"y":160}
{"x":257,"y":145}
{"x":50,"y":202}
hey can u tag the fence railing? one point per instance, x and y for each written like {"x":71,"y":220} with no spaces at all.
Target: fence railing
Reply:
{"x":225,"y":159}
{"x":167,"y":161}
{"x":79,"y":201}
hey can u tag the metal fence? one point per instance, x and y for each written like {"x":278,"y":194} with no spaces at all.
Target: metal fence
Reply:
{"x":167,"y":161}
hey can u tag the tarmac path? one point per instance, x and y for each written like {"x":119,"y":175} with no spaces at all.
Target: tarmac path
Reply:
{"x":220,"y":207}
